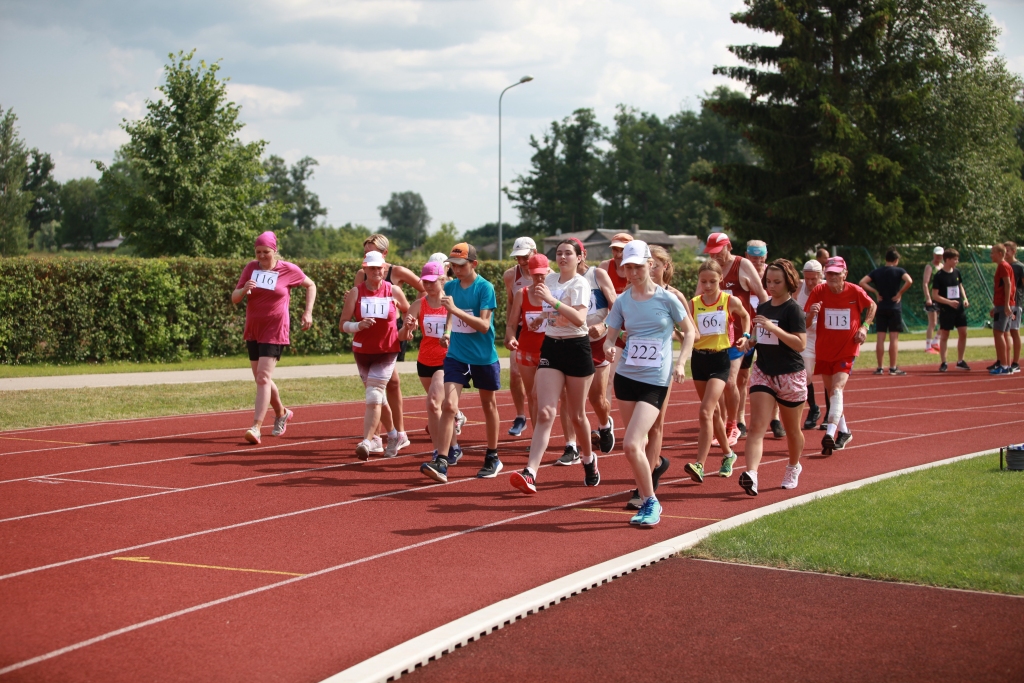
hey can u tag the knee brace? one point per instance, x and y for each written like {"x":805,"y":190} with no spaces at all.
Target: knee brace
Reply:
{"x":375,"y":393}
{"x":835,"y":410}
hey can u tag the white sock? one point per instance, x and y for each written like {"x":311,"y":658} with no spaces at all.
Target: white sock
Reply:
{"x":842,"y":425}
{"x":571,"y":444}
{"x":587,"y":460}
{"x":654,"y":498}
{"x":532,"y":473}
{"x":928,"y":343}
{"x":607,"y":426}
{"x":831,"y":430}
{"x":752,"y":475}
{"x":393,"y":434}
{"x":520,"y":417}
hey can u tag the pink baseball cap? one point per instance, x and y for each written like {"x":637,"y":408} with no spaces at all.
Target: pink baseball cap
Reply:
{"x":431,"y":271}
{"x":836,"y":264}
{"x":267,"y":239}
{"x":717,"y":241}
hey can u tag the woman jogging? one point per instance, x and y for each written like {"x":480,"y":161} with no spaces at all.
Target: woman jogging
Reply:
{"x":715,"y":311}
{"x":266,"y":282}
{"x":375,"y":304}
{"x":430,"y":316}
{"x":778,"y":376}
{"x":650,"y":314}
{"x":565,"y":363}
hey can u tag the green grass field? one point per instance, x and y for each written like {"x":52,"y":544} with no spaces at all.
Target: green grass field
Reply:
{"x":958,"y":526}
{"x":52,"y":407}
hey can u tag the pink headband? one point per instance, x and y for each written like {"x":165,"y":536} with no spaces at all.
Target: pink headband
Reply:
{"x":267,"y":239}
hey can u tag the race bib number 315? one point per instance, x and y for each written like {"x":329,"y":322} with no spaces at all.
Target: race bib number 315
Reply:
{"x":644,"y":353}
{"x":265,"y":279}
{"x":837,"y":318}
{"x":375,"y":307}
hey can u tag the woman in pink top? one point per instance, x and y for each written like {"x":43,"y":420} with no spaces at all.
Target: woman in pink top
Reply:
{"x":266,"y":282}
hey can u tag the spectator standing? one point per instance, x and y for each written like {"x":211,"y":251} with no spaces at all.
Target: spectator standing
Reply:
{"x":1003,"y":302}
{"x":949,"y":295}
{"x":1018,"y":281}
{"x":888,"y":284}
{"x":931,"y":308}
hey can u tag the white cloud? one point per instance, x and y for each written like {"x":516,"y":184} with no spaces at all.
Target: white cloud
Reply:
{"x":261,"y":100}
{"x":87,"y":141}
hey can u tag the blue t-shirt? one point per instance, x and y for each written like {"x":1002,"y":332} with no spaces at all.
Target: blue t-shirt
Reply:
{"x":648,"y":324}
{"x":469,"y":346}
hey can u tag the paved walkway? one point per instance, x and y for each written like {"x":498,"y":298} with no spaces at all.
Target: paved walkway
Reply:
{"x":125,"y":379}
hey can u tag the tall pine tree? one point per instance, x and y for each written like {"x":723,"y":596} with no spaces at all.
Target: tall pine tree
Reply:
{"x":846,"y":115}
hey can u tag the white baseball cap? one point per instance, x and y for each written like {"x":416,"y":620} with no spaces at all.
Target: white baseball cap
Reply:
{"x":938,"y":250}
{"x":438,"y":257}
{"x":636,"y":251}
{"x":813,"y":266}
{"x":373,"y":259}
{"x":523,"y":246}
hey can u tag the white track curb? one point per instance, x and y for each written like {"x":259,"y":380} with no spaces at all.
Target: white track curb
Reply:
{"x":423,"y":649}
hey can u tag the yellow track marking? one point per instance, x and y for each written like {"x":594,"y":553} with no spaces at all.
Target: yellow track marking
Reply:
{"x":67,"y":443}
{"x":618,"y":512}
{"x":146,"y":560}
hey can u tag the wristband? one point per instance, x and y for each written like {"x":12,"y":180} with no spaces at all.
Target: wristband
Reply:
{"x":746,"y":335}
{"x":350,"y":327}
{"x":557,"y":304}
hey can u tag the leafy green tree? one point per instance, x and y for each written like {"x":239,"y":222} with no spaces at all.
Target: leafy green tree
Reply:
{"x":45,"y":190}
{"x":288,"y":188}
{"x":558,"y":193}
{"x":407,"y":219}
{"x":14,"y":201}
{"x":637,"y":169}
{"x":854,"y":117}
{"x":325,"y":242}
{"x":84,"y":223}
{"x":195,"y":189}
{"x":446,"y":237}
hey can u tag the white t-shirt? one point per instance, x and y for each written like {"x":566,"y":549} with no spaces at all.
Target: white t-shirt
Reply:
{"x":575,"y":292}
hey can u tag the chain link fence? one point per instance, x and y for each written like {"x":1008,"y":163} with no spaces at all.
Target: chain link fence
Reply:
{"x":976,"y":269}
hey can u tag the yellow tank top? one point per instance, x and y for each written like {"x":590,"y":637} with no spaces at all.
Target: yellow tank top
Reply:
{"x":713,"y":323}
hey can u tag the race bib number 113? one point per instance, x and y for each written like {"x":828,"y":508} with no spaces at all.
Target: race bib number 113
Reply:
{"x":837,"y":318}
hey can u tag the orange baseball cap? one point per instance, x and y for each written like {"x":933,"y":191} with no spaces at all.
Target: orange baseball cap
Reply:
{"x":621,"y":239}
{"x":462,"y":253}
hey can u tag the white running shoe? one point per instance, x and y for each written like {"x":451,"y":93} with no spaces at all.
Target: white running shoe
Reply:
{"x":792,"y":476}
{"x":376,"y":445}
{"x":460,"y":420}
{"x":363,"y":449}
{"x":281,"y":423}
{"x":253,"y":435}
{"x":394,"y":445}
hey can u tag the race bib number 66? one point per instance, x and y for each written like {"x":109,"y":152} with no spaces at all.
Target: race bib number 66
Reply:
{"x":837,"y":318}
{"x":711,"y":323}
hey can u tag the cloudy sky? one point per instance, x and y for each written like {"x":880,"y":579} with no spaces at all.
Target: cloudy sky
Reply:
{"x":388,"y":95}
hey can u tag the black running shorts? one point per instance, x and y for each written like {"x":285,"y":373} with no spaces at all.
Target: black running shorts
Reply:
{"x":627,"y":389}
{"x":570,"y":356}
{"x":708,"y":365}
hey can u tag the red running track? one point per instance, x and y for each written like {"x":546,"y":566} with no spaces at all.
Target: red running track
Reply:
{"x":310,"y":561}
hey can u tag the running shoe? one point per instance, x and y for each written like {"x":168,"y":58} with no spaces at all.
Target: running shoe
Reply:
{"x":897,"y":372}
{"x":999,"y":370}
{"x":843,"y":438}
{"x":523,"y":481}
{"x":963,"y":365}
{"x":792,"y":476}
{"x":993,"y":366}
{"x":396,"y":444}
{"x":1014,"y":368}
{"x":726,"y":469}
{"x":454,"y":455}
{"x":607,"y":437}
{"x":743,"y":430}
{"x":363,"y":450}
{"x":492,"y":465}
{"x":252,"y":435}
{"x":518,"y":425}
{"x":823,"y":426}
{"x":879,"y":371}
{"x":571,"y":456}
{"x":635,"y":501}
{"x":595,"y":440}
{"x":812,"y":417}
{"x":281,"y":423}
{"x":591,"y":475}
{"x":658,"y":471}
{"x":932,"y":349}
{"x":828,"y":444}
{"x":376,"y":445}
{"x":943,"y":367}
{"x":460,"y":422}
{"x":649,"y":515}
{"x":436,"y":469}
{"x":696,"y":471}
{"x":734,"y":436}
{"x":778,"y":431}
{"x":748,"y":480}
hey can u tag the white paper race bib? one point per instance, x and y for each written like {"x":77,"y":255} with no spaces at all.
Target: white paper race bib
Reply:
{"x":645,"y":353}
{"x":461,"y":326}
{"x":837,"y":318}
{"x":548,"y":309}
{"x":754,"y":301}
{"x":533,"y":315}
{"x":433,"y":325}
{"x":265,"y":279}
{"x":765,"y":337}
{"x":711,"y":323}
{"x":953,"y":292}
{"x":375,"y":307}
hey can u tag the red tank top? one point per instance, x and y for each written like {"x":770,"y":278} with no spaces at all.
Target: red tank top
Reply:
{"x":432,"y":322}
{"x":618,"y":282}
{"x":731,"y":284}
{"x":382,"y":337}
{"x":530,"y":341}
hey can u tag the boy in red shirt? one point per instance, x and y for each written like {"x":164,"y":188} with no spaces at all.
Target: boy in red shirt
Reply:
{"x":839,"y":336}
{"x":1003,"y":295}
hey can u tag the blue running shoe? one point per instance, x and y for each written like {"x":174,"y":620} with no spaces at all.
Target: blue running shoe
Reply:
{"x":436,"y":469}
{"x":454,"y":455}
{"x":518,"y":425}
{"x":997,"y":370}
{"x":649,"y":515}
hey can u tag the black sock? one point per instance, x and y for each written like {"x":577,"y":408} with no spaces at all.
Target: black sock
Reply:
{"x":810,"y":396}
{"x":828,"y":406}
{"x":492,"y":451}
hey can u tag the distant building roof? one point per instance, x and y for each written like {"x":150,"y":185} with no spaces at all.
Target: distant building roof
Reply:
{"x":110,"y":244}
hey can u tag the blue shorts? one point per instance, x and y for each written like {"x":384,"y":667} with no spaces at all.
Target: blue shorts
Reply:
{"x":485,"y":377}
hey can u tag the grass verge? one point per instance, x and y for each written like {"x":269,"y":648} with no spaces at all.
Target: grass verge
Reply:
{"x":956,"y":526}
{"x":54,"y":407}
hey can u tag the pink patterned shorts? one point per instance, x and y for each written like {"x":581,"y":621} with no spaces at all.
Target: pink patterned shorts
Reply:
{"x":789,"y":390}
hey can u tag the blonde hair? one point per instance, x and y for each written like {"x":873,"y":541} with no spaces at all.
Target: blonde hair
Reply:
{"x":661,"y":253}
{"x":377,"y":240}
{"x":712,"y":265}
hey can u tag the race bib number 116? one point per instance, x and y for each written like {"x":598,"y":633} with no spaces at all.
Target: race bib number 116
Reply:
{"x":265,"y":279}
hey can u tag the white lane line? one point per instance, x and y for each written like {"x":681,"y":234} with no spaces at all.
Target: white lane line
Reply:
{"x":421,"y":650}
{"x":110,"y":483}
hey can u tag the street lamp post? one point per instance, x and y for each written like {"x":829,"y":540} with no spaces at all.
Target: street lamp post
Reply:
{"x":524,"y":79}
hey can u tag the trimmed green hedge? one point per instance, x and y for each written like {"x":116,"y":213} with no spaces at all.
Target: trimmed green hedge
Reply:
{"x":75,"y":310}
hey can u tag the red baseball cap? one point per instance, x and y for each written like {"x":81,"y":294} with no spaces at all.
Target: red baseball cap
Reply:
{"x":538,"y":263}
{"x":717,"y":241}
